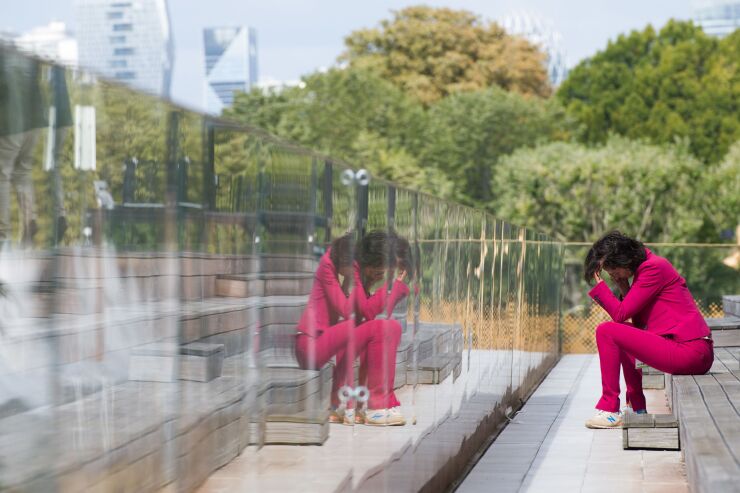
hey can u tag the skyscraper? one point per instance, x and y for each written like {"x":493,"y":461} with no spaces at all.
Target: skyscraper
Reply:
{"x":231,"y":64}
{"x":717,"y":17}
{"x":130,"y":41}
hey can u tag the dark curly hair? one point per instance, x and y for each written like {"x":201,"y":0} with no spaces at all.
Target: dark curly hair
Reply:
{"x":342,"y":251}
{"x":377,"y":248}
{"x":405,"y":255}
{"x":613,"y":250}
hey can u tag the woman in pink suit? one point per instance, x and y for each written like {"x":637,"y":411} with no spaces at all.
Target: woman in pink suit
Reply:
{"x":666,"y":332}
{"x":339,"y":321}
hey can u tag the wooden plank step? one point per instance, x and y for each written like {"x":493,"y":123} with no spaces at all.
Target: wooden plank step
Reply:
{"x":309,"y":427}
{"x":264,"y":284}
{"x":731,"y":305}
{"x":241,"y":286}
{"x":650,"y":431}
{"x":653,"y":380}
{"x":731,"y":385}
{"x":288,"y":263}
{"x":723,"y":413}
{"x":434,"y":369}
{"x":709,"y":464}
{"x":201,"y":362}
{"x":723,"y":323}
{"x":726,"y":338}
{"x":727,"y":358}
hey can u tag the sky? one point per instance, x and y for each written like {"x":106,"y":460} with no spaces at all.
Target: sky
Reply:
{"x":296,"y":37}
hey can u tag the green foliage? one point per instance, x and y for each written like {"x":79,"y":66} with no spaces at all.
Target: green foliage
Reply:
{"x":678,"y":83}
{"x":469,"y":132}
{"x":656,"y":193}
{"x":574,"y":192}
{"x":433,"y":52}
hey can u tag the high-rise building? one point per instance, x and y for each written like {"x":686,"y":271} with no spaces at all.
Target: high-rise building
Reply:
{"x":231,"y":64}
{"x":53,"y":41}
{"x":717,"y":17}
{"x":542,"y":34}
{"x":130,"y":41}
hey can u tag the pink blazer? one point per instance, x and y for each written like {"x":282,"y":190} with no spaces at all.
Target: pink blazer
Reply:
{"x":327,"y":303}
{"x":658,"y":300}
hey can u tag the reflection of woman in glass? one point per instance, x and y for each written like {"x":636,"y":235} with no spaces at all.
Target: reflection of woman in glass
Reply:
{"x":327,"y":327}
{"x":667,"y":331}
{"x":22,"y":115}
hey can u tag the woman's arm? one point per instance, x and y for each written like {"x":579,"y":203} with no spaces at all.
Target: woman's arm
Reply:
{"x":338,"y":301}
{"x":398,"y":292}
{"x":646,"y":287}
{"x":368,"y":307}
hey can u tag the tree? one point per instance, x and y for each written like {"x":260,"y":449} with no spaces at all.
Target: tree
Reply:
{"x":678,"y":83}
{"x":349,"y":114}
{"x":577,"y":193}
{"x":656,"y":193}
{"x":467,"y":134}
{"x":433,"y":52}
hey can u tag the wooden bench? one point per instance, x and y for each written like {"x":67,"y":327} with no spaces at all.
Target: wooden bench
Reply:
{"x":708,"y":412}
{"x":650,"y":431}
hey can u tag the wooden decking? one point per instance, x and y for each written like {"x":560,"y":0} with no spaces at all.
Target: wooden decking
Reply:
{"x":708,"y":411}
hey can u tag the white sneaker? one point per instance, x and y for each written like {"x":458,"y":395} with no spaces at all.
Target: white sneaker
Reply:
{"x":345,"y":416}
{"x":605,"y":419}
{"x":385,"y":417}
{"x":628,"y":409}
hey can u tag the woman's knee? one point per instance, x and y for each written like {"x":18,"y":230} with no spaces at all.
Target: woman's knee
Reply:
{"x":387,"y":329}
{"x":605,"y":329}
{"x":306,"y":353}
{"x":394,"y":329}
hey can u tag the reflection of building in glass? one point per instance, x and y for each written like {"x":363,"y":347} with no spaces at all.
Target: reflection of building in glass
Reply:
{"x":231,"y":64}
{"x":542,"y":33}
{"x":129,"y":41}
{"x":53,"y":41}
{"x":717,"y":17}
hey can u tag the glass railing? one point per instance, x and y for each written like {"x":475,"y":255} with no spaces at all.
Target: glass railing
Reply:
{"x":170,"y":303}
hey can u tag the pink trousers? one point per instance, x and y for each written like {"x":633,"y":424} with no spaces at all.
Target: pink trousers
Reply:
{"x":619,"y":344}
{"x":375,"y":340}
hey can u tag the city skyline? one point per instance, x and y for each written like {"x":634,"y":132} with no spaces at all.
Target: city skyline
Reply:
{"x":311,"y":35}
{"x":717,"y":17}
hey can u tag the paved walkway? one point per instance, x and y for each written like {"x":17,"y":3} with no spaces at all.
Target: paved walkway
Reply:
{"x":547,"y":448}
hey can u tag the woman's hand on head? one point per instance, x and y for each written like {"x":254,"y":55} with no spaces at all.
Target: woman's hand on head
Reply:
{"x":401,"y":275}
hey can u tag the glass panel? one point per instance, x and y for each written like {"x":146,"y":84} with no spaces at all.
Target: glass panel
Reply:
{"x":29,"y":352}
{"x":180,"y":294}
{"x":116,"y":282}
